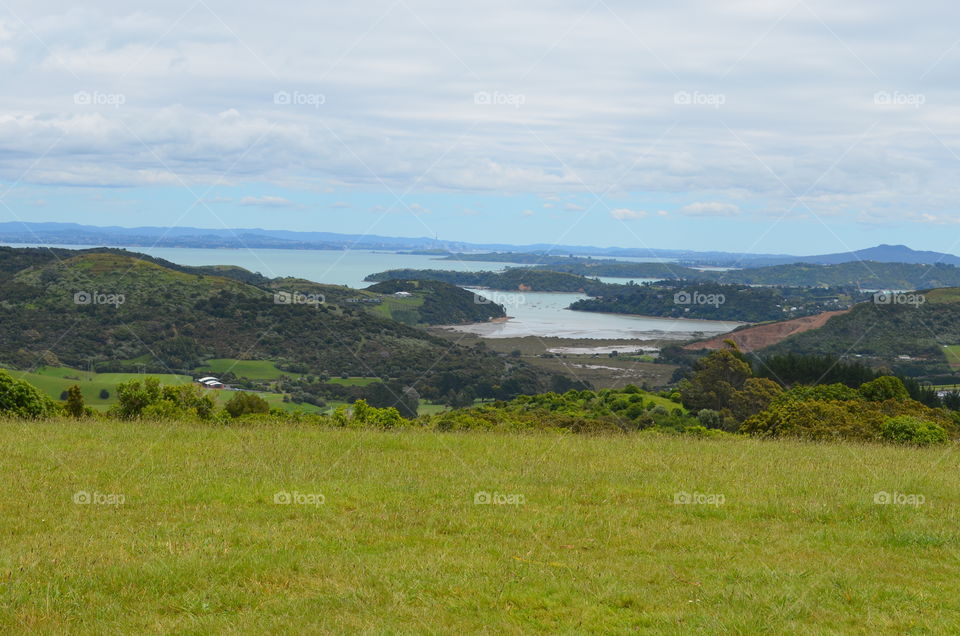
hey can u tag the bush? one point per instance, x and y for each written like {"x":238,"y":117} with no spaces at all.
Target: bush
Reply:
{"x":20,"y":399}
{"x":884,"y":388}
{"x":905,"y":429}
{"x":74,"y":401}
{"x":710,"y":418}
{"x":104,"y":394}
{"x":244,"y":402}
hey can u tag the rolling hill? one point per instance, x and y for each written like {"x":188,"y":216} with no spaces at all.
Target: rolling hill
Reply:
{"x":106,"y":309}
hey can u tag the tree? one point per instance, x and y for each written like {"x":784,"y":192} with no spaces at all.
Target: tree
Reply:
{"x":74,"y":406}
{"x":755,"y":396}
{"x":20,"y":399}
{"x":245,"y":402}
{"x":884,"y":388}
{"x":715,"y":380}
{"x":133,"y":397}
{"x":912,"y":430}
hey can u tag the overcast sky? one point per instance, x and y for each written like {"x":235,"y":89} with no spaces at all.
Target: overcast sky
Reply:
{"x":764,"y":126}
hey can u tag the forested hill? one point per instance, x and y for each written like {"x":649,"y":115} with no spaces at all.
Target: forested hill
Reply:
{"x":863,"y":275}
{"x":906,"y":333}
{"x":112,"y":311}
{"x":512,"y":279}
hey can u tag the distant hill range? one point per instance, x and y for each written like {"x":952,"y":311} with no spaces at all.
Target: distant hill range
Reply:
{"x":115,"y":236}
{"x":878,"y":254}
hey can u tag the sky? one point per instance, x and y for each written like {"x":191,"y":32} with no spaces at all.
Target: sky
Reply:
{"x":768,"y":126}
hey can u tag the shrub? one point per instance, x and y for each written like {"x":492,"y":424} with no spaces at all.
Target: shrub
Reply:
{"x":906,"y":429}
{"x":884,"y":388}
{"x":710,"y":418}
{"x":245,"y":402}
{"x":20,"y":399}
{"x":74,"y":401}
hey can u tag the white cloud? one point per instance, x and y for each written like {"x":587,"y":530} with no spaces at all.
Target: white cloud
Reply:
{"x":623,"y":214}
{"x":267,"y":202}
{"x":799,"y":109}
{"x":710,"y":208}
{"x":528,"y":213}
{"x":340,"y":205}
{"x":573,"y":207}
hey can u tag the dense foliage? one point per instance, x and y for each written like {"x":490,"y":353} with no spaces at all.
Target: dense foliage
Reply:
{"x":169,"y":320}
{"x":20,"y":399}
{"x":512,"y":279}
{"x":908,"y":338}
{"x":853,"y":274}
{"x":713,"y":301}
{"x":441,"y":303}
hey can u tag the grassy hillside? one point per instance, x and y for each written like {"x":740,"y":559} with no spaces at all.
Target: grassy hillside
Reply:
{"x":433,"y":303}
{"x":793,"y":541}
{"x":884,"y":332}
{"x":109,"y":308}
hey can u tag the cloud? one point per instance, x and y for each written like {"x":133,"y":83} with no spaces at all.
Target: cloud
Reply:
{"x":573,"y":207}
{"x":528,"y":213}
{"x":340,"y":205}
{"x":623,"y":214}
{"x":267,"y":202}
{"x":710,"y":208}
{"x":103,"y":102}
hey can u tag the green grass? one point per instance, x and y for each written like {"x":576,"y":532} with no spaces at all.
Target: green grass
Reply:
{"x":200,"y":547}
{"x":250,"y":369}
{"x":953,"y":355}
{"x":353,"y":381}
{"x":54,"y":380}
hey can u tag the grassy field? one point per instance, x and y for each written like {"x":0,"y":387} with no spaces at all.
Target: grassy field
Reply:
{"x":953,"y":355}
{"x":251,"y":369}
{"x":188,"y":531}
{"x":55,"y":380}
